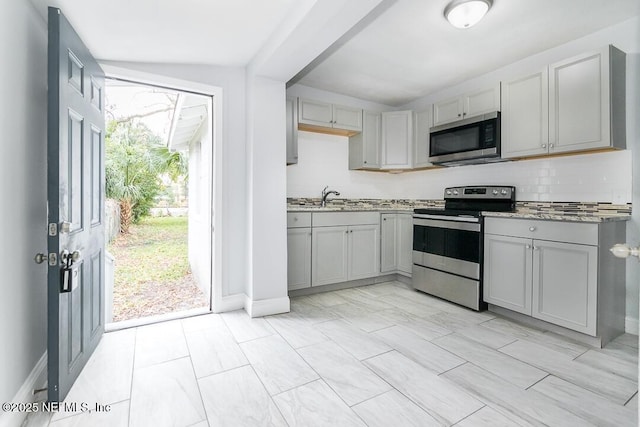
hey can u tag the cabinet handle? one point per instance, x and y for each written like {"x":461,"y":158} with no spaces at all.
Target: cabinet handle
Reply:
{"x":458,"y":114}
{"x":365,"y":162}
{"x":532,"y":229}
{"x":384,"y":219}
{"x":550,"y":145}
{"x":535,"y":248}
{"x":346,"y":232}
{"x":528,"y":246}
{"x":544,"y":145}
{"x":464,"y":114}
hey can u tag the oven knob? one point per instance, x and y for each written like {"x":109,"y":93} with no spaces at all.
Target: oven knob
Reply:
{"x":448,"y":192}
{"x":504,"y":192}
{"x":495,"y":192}
{"x":455,"y":192}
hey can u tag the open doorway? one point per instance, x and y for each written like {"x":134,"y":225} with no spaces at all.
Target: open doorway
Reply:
{"x":158,"y":167}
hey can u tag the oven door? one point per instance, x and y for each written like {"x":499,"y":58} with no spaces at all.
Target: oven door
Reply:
{"x":448,"y":245}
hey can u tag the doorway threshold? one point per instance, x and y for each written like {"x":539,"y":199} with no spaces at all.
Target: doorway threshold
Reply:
{"x":149,"y":320}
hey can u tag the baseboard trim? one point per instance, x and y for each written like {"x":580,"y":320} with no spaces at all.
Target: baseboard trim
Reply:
{"x":229,"y":303}
{"x":266,"y":307}
{"x":631,"y":325}
{"x":36,"y":380}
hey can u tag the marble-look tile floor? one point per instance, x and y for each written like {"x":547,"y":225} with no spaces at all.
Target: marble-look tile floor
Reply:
{"x":379,"y":355}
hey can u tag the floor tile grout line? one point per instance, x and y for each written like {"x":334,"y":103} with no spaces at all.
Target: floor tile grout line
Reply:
{"x":195,"y":376}
{"x":484,"y":405}
{"x":133,"y":372}
{"x":271,"y":397}
{"x":630,"y":399}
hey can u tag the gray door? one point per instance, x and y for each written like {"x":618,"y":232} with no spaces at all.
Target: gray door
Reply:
{"x":75,"y":203}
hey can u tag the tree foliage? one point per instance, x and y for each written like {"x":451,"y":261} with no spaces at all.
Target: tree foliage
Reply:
{"x":136,"y":159}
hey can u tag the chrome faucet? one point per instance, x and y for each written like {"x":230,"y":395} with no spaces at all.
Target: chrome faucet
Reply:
{"x":326,"y":193}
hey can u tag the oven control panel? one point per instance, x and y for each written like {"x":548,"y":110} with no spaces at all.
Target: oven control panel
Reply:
{"x":504,"y":192}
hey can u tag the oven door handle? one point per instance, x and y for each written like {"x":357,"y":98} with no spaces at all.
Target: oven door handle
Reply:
{"x":456,"y":218}
{"x":454,"y":225}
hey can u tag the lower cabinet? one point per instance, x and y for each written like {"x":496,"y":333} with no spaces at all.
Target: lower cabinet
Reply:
{"x":558,"y":272}
{"x":344,"y":253}
{"x":298,"y":250}
{"x":396,"y":247}
{"x":298,"y":258}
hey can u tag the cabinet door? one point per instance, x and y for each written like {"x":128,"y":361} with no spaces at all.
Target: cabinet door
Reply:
{"x":364,"y":148}
{"x":579,"y":110}
{"x":565,"y":285}
{"x":364,"y":251}
{"x":525,"y":115}
{"x":508,"y":272}
{"x":347,"y":118}
{"x":447,"y":111}
{"x":292,"y":130}
{"x":421,"y":125}
{"x":397,"y":137}
{"x":329,"y":255}
{"x":481,"y":101}
{"x":298,"y":258}
{"x":315,"y":112}
{"x":404,"y":242}
{"x":388,"y":247}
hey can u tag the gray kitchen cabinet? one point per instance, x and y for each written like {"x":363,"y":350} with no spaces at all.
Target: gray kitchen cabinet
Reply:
{"x":508,"y":272}
{"x":292,"y":130}
{"x":573,"y":105}
{"x":558,"y":272}
{"x":565,"y":285}
{"x":525,"y":115}
{"x":329,"y":255}
{"x":327,"y":115}
{"x":421,"y":124}
{"x":298,"y":258}
{"x":397,"y":140}
{"x":473,"y":103}
{"x":404,"y":243}
{"x":298,"y":250}
{"x":587,"y":102}
{"x":388,"y":246}
{"x":364,"y":148}
{"x":396,"y":243}
{"x":345,"y":246}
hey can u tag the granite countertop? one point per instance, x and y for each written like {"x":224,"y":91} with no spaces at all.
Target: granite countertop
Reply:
{"x":550,"y":211}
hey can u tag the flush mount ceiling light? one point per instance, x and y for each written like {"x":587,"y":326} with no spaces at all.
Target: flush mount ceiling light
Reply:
{"x":466,"y":13}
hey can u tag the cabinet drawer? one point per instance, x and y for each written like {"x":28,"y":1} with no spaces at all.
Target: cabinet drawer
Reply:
{"x":298,"y":219}
{"x":558,"y":231}
{"x":329,"y":219}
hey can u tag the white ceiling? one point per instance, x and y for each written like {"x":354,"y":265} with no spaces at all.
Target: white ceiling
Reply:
{"x":220,"y":32}
{"x":407,"y":52}
{"x":411,"y":50}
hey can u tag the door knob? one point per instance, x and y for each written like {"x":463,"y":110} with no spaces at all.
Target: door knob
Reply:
{"x":40,"y":258}
{"x":622,"y":250}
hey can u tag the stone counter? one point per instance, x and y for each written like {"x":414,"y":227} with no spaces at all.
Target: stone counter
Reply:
{"x":551,"y":211}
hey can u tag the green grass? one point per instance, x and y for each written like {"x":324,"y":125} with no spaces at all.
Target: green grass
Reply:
{"x":152,"y":274}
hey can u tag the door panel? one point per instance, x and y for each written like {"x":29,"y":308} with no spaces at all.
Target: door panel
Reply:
{"x":364,"y":251}
{"x":329,"y":255}
{"x":75,"y":192}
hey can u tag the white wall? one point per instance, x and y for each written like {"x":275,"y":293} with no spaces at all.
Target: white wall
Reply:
{"x":23,"y":214}
{"x":596,"y":177}
{"x":267,"y":193}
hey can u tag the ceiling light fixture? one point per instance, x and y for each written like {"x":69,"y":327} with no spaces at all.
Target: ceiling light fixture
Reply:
{"x":466,"y":13}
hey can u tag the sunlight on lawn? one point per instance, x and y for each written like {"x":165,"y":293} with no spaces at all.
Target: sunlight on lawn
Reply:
{"x":152,"y":274}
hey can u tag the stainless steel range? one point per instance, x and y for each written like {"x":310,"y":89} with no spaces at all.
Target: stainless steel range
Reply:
{"x":447,"y":243}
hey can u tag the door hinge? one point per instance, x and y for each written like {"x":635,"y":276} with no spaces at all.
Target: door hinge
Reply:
{"x":53,"y":259}
{"x":53,"y":229}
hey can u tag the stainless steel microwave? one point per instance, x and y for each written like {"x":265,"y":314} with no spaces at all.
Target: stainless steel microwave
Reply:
{"x":468,"y":141}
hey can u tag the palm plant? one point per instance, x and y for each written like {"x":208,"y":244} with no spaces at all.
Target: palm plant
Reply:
{"x":136,"y":158}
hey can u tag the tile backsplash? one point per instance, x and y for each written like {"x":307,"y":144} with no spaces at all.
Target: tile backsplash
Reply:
{"x":323,"y":160}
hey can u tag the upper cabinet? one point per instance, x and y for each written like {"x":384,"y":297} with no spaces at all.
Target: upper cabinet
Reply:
{"x":323,"y":116}
{"x":571,"y":106}
{"x":364,"y":148}
{"x":421,"y":125}
{"x":471,"y":104}
{"x":292,"y":130}
{"x":587,"y":102}
{"x":397,"y":140}
{"x":525,"y":115}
